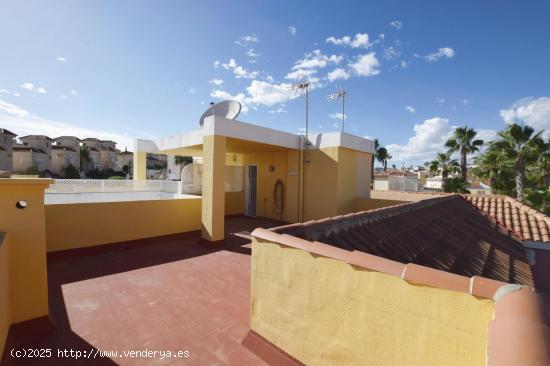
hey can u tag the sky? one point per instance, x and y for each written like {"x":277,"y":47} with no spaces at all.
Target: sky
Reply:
{"x":412,"y":70}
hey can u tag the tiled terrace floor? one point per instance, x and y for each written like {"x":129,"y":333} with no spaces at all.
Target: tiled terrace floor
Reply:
{"x":167,"y":295}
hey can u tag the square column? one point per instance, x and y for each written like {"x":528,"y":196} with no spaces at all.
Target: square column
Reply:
{"x":213,"y":187}
{"x":140,"y":165}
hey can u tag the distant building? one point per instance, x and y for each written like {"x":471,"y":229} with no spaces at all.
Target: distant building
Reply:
{"x":65,"y":152}
{"x":125,"y":159}
{"x":108,"y":154}
{"x":6,"y":149}
{"x":38,"y":156}
{"x":26,"y":157}
{"x":93,"y":146}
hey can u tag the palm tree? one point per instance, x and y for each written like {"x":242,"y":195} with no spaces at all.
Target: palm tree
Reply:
{"x":519,"y":144}
{"x":463,"y":141}
{"x":495,"y":167}
{"x":383,"y":156}
{"x":84,"y":158}
{"x":445,"y":164}
{"x":374,"y":157}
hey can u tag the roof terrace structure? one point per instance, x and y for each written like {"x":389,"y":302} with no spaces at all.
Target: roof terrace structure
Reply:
{"x":335,"y":166}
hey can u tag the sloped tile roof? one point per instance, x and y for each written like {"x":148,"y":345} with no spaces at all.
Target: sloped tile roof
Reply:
{"x":445,"y":233}
{"x":527,"y":222}
{"x":3,"y":131}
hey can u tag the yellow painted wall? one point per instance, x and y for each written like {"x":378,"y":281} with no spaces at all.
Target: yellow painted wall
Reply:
{"x":5,"y":306}
{"x":27,"y":246}
{"x":234,"y":203}
{"x":326,"y":312}
{"x":78,"y":225}
{"x":213,"y":187}
{"x":140,"y":165}
{"x":267,"y":179}
{"x":365,"y":204}
{"x":331,"y":180}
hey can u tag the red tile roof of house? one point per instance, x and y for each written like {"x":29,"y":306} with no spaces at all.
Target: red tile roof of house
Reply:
{"x":525,"y":221}
{"x":444,"y":233}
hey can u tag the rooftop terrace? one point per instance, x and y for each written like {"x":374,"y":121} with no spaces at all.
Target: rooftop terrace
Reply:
{"x":161,"y":294}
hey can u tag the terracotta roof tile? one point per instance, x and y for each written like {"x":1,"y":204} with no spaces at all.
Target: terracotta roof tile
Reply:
{"x":525,"y":221}
{"x":444,"y":233}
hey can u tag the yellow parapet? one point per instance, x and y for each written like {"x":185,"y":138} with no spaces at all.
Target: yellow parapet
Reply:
{"x":23,"y":255}
{"x":140,"y":165}
{"x":323,"y":311}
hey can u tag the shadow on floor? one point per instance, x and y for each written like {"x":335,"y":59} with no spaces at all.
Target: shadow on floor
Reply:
{"x":118,"y":260}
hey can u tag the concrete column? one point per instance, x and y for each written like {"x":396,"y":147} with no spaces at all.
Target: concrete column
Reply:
{"x":140,"y":165}
{"x":213,"y":188}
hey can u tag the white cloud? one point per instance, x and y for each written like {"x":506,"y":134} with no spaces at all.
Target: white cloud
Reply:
{"x":12,"y":109}
{"x":391,"y":52}
{"x":28,"y":86}
{"x":441,"y":53}
{"x":23,"y":122}
{"x":404,"y":64}
{"x":61,"y":59}
{"x":440,"y":100}
{"x":486,"y":135}
{"x":366,"y":65}
{"x":34,"y":88}
{"x":337,"y":116}
{"x":292,"y":30}
{"x":397,"y":24}
{"x":246,"y":40}
{"x":5,"y":91}
{"x":73,"y":92}
{"x":262,"y":92}
{"x":251,"y":53}
{"x":338,"y":74}
{"x":216,"y":82}
{"x":429,"y":138}
{"x":531,"y":111}
{"x":361,"y":40}
{"x":278,"y":110}
{"x":222,"y":94}
{"x":316,"y":59}
{"x":410,"y":109}
{"x":217,"y":64}
{"x":239,"y":71}
{"x":62,"y":96}
{"x":300,"y":73}
{"x":192,"y":90}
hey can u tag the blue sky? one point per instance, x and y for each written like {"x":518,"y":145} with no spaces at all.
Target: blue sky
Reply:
{"x":126,"y":69}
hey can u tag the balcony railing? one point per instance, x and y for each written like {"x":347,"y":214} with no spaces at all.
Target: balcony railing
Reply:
{"x":112,"y":185}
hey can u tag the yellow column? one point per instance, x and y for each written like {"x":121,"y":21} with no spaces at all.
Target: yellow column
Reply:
{"x":213,"y":188}
{"x":24,"y":225}
{"x":140,"y":165}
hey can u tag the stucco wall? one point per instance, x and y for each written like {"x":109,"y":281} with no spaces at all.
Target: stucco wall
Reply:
{"x":234,"y":203}
{"x":70,"y":226}
{"x":5,"y":306}
{"x":25,"y":228}
{"x":326,"y":312}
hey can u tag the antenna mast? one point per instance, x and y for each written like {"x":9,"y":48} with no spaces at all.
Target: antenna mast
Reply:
{"x":303,"y":85}
{"x":340,"y":95}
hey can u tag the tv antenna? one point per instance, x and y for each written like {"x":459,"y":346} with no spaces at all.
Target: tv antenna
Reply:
{"x":302,"y":86}
{"x":340,"y":96}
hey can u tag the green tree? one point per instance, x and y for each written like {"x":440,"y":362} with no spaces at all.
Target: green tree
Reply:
{"x":455,"y":185}
{"x":494,"y":167}
{"x":183,"y":160}
{"x":463,"y":141}
{"x":521,"y":145}
{"x":444,"y":164}
{"x":383,"y":156}
{"x":84,"y":158}
{"x":70,"y":172}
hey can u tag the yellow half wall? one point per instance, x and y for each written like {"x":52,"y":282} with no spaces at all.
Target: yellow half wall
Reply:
{"x":70,"y":226}
{"x":326,"y":312}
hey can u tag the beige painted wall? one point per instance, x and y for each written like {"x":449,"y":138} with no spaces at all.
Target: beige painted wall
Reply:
{"x":326,"y":312}
{"x":365,"y":204}
{"x":25,"y":228}
{"x":5,"y":305}
{"x":70,"y":226}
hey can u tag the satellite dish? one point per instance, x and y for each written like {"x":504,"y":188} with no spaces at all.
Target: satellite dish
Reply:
{"x":229,"y":109}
